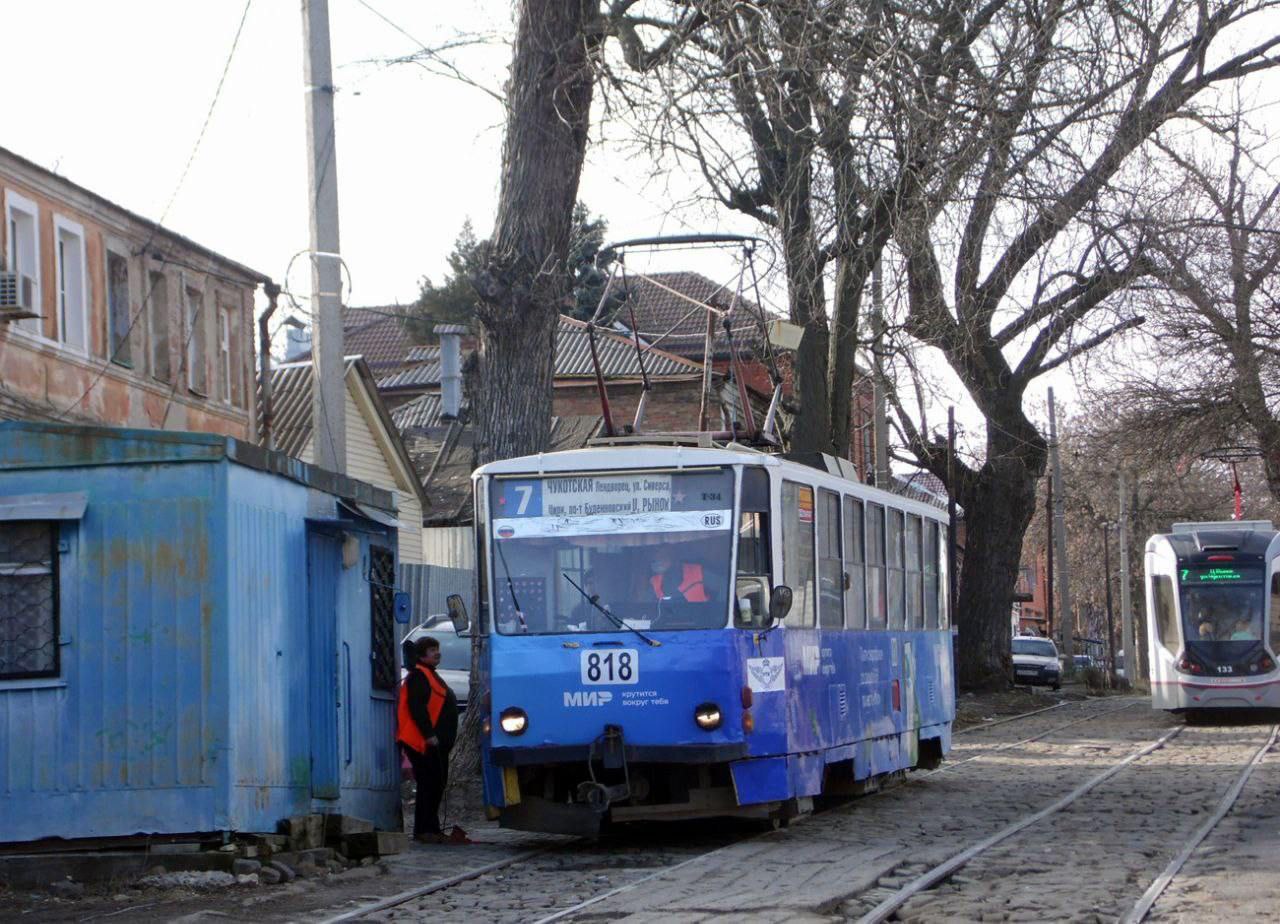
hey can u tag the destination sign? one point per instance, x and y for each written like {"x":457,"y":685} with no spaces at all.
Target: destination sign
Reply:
{"x":1219,"y":574}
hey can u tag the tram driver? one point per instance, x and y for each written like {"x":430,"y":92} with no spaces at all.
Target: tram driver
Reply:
{"x":676,"y":580}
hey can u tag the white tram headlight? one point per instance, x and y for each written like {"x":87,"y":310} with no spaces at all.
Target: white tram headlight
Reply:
{"x":708,"y":716}
{"x":513,"y":720}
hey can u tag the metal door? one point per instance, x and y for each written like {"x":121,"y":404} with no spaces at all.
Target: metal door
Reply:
{"x":324,"y":565}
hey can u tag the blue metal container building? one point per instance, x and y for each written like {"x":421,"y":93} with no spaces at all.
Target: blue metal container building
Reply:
{"x":194,"y":636}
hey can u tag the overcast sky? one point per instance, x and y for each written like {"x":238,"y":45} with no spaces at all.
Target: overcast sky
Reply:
{"x":112,"y":95}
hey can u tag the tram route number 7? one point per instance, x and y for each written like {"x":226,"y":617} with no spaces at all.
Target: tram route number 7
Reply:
{"x":610,"y":666}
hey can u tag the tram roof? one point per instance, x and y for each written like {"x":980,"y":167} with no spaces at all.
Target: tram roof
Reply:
{"x":607,"y":458}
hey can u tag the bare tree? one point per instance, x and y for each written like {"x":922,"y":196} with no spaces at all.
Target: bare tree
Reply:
{"x":1217,"y":340}
{"x":1023,"y":223}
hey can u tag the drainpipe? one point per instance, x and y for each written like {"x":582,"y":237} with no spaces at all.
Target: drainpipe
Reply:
{"x":264,"y":359}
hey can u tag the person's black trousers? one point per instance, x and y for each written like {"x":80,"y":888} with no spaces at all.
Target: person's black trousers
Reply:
{"x":431,"y":773}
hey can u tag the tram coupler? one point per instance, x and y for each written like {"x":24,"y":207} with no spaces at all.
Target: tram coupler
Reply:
{"x":599,"y":796}
{"x":612,"y":754}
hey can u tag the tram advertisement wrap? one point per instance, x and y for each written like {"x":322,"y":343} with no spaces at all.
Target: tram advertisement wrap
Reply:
{"x":614,"y":502}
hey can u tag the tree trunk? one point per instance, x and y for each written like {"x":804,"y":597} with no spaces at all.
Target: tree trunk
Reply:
{"x":999,"y":502}
{"x":811,"y":424}
{"x":524,"y":281}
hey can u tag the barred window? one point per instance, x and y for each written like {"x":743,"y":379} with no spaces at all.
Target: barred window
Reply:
{"x":28,"y":600}
{"x":382,"y":616}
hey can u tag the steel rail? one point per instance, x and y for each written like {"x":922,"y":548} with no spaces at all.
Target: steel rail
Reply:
{"x":1044,"y":734}
{"x":1143,"y":906}
{"x":932,"y":877}
{"x":438,"y":885}
{"x":1012,"y":718}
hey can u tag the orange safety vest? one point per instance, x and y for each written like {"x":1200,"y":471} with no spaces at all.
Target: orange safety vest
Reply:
{"x":407,"y":730}
{"x":690,"y":584}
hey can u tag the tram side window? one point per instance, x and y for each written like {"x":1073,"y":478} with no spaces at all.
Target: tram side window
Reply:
{"x":1274,"y":640}
{"x":1165,"y":613}
{"x":877,"y":612}
{"x":932,"y":585}
{"x":797,"y":551}
{"x":944,"y":578}
{"x":915,"y":606}
{"x":855,"y":601}
{"x":830,"y":572}
{"x":752,"y":597}
{"x":897,"y":609}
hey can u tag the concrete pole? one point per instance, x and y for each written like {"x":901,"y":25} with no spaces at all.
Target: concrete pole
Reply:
{"x":1067,"y":623}
{"x":328,"y":399}
{"x":1126,"y":603}
{"x":881,"y":405}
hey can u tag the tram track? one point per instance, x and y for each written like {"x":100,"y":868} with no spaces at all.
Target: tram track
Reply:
{"x":459,"y":893}
{"x":1188,"y":756}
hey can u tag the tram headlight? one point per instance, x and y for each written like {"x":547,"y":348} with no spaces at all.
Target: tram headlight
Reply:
{"x":708,"y":716}
{"x":513,"y":720}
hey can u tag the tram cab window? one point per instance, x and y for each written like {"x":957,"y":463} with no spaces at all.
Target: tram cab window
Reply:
{"x":915,"y":602}
{"x":797,"y":551}
{"x":897,"y":607}
{"x":1274,"y":638}
{"x":855,"y":601}
{"x":877,"y":612}
{"x":932,"y":584}
{"x":830,"y":568}
{"x":1164,"y":613}
{"x":1222,"y":604}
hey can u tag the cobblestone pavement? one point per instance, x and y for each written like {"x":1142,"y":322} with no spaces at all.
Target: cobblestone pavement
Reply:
{"x":1234,"y":871}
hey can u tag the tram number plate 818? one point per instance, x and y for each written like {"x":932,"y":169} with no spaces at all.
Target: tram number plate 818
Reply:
{"x":611,"y":665}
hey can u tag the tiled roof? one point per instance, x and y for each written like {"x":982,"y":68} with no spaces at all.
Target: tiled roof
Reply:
{"x":422,"y":413}
{"x":375,"y":333}
{"x":573,"y":360}
{"x":291,"y":415}
{"x":423,"y":354}
{"x":660,"y":312}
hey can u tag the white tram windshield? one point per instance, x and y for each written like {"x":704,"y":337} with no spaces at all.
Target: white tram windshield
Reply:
{"x":608,"y":551}
{"x":1221,"y":603}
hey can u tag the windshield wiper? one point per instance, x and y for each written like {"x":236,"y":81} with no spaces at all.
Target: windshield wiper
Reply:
{"x":594,"y":600}
{"x":511,"y":587}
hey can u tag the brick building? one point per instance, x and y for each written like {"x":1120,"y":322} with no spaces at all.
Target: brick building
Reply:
{"x":106,"y":317}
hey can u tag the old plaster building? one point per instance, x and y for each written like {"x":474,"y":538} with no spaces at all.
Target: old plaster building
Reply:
{"x":106,"y":317}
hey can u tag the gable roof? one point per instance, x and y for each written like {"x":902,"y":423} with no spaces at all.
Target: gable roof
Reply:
{"x":292,"y":390}
{"x":676,"y":325}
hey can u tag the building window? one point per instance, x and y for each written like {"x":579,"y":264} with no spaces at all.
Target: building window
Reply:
{"x":197,"y":346}
{"x":158,"y":322}
{"x":73,"y":292}
{"x":22,"y":220}
{"x":118,"y":316}
{"x":28,"y":600}
{"x":230,"y":380}
{"x":797,"y":551}
{"x":382,"y":617}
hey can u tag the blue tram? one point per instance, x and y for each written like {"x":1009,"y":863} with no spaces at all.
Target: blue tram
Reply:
{"x":678,"y":632}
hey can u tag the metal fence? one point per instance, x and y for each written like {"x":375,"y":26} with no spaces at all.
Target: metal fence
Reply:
{"x":430,"y":585}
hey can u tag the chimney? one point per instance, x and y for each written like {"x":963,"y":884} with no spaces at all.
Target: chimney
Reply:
{"x":450,"y":368}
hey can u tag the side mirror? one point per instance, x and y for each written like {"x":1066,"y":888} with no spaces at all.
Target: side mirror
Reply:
{"x":403,"y":607}
{"x":779,"y":604}
{"x":458,"y":614}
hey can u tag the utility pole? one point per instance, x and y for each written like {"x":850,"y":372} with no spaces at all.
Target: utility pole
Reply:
{"x":1126,"y":604}
{"x":329,"y":435}
{"x":1048,"y":559}
{"x":1067,"y":623}
{"x":1111,"y":624}
{"x":877,"y":354}
{"x":952,"y":577}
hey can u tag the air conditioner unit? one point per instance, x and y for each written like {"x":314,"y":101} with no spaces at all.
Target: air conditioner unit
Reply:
{"x":17,"y":297}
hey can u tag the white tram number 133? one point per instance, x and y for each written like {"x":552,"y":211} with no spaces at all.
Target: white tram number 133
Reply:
{"x":610,"y":666}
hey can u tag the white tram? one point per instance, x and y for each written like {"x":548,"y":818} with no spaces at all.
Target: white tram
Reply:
{"x":1213,"y":616}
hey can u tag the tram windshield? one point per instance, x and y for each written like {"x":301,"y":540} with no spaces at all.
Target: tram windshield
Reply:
{"x":612,"y":551}
{"x":1222,"y":604}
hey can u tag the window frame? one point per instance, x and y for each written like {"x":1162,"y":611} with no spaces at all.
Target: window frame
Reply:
{"x":1273,"y":612}
{"x":896,"y":574}
{"x":1156,"y":583}
{"x":195,"y":329}
{"x":119,"y":352}
{"x":825,"y":534}
{"x":16,"y":202}
{"x":931,"y":573}
{"x":913,"y":546}
{"x":226,"y":366}
{"x":855,"y":567}
{"x":383,"y":677}
{"x":159,"y":309}
{"x":877,"y":570}
{"x":65,"y":226}
{"x":54,"y":527}
{"x":804,"y":610}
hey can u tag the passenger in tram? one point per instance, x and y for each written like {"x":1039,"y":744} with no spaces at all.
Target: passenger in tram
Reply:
{"x":1243,"y":632}
{"x":1205,"y":629}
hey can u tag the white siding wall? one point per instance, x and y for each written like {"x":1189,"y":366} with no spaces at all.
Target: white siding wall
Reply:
{"x":366,"y":462}
{"x":451,"y":546}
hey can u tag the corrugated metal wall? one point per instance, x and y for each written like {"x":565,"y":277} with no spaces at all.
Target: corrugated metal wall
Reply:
{"x":430,"y":586}
{"x":449,"y":546}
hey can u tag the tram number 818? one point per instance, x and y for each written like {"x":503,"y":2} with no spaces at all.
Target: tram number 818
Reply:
{"x":617,"y":666}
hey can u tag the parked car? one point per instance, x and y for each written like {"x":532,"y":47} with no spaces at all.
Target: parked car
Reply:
{"x":455,"y":656}
{"x":1035,"y":662}
{"x":1084,"y":662}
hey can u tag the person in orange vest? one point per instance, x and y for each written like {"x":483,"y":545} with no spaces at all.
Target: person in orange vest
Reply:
{"x":672,"y":582}
{"x":426,"y":727}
